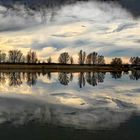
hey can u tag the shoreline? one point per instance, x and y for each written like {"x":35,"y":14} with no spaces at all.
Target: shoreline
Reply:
{"x":54,"y":67}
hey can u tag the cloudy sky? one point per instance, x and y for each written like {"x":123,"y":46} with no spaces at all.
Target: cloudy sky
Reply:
{"x":107,"y":28}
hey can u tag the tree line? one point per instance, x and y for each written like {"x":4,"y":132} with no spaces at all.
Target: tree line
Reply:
{"x":16,"y":56}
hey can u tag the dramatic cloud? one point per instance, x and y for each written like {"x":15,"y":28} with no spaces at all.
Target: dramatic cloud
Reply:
{"x":98,"y":26}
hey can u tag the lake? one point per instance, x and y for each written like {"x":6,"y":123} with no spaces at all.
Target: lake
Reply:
{"x":69,"y":105}
{"x":84,"y":105}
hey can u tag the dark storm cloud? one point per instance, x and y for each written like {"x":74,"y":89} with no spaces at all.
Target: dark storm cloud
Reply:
{"x":131,"y":5}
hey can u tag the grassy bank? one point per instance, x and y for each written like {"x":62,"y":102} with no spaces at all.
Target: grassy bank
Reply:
{"x":64,"y":67}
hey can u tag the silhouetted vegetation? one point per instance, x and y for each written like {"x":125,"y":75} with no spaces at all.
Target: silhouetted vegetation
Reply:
{"x":49,"y":60}
{"x":135,"y":60}
{"x":94,"y":58}
{"x":116,"y":61}
{"x":2,"y":57}
{"x":71,"y":60}
{"x":16,"y":56}
{"x":82,"y":57}
{"x":31,"y":57}
{"x":64,"y":58}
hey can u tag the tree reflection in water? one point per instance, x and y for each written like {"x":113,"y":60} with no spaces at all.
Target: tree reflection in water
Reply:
{"x":64,"y":78}
{"x":81,"y":79}
{"x":2,"y":78}
{"x":116,"y":75}
{"x":92,"y":78}
{"x":31,"y":78}
{"x":135,"y":75}
{"x":15,"y":79}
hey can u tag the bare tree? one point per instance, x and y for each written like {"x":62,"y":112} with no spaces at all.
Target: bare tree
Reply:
{"x":15,"y":56}
{"x":89,"y":59}
{"x":31,"y":57}
{"x":135,"y":60}
{"x":93,"y":58}
{"x":64,"y":58}
{"x":82,"y":57}
{"x":116,"y":61}
{"x":71,"y":60}
{"x":49,"y":60}
{"x":101,"y":59}
{"x":2,"y":57}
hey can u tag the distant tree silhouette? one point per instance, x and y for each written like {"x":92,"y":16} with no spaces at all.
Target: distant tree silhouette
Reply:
{"x":2,"y":57}
{"x":82,"y":57}
{"x":23,"y":59}
{"x":89,"y":59}
{"x":101,"y":59}
{"x":64,"y":58}
{"x":94,"y":58}
{"x":15,"y":56}
{"x":31,"y":57}
{"x":135,"y":60}
{"x":71,"y":60}
{"x":116,"y":61}
{"x":49,"y":60}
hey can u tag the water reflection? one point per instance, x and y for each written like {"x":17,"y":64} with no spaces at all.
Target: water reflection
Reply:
{"x":135,"y":75}
{"x":116,"y":75}
{"x":65,"y":78}
{"x":81,"y":100}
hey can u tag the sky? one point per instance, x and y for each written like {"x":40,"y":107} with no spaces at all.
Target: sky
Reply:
{"x":104,"y":27}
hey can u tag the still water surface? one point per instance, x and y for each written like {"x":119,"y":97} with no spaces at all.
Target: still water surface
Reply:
{"x":87,"y":105}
